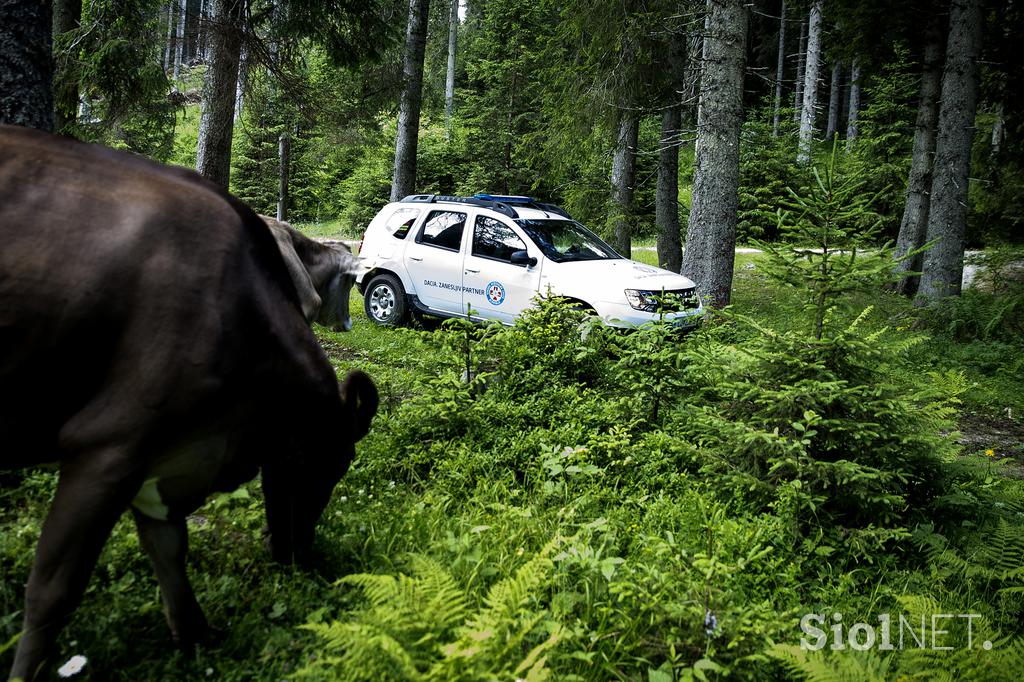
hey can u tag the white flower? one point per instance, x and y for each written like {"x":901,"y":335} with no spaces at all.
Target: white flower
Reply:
{"x":343,"y":499}
{"x":73,"y":666}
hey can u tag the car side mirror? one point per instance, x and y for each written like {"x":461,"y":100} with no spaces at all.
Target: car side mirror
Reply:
{"x":521,"y":257}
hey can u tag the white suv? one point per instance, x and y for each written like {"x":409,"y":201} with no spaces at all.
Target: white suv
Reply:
{"x":418,"y":255}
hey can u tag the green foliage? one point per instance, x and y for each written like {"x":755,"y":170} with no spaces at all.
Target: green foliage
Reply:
{"x":792,"y":420}
{"x":421,"y":628}
{"x":881,"y":155}
{"x":828,"y":227}
{"x":993,"y":309}
{"x":768,"y":169}
{"x":112,"y":61}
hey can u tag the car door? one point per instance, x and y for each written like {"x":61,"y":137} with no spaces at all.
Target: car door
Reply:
{"x":434,"y":261}
{"x":495,"y":287}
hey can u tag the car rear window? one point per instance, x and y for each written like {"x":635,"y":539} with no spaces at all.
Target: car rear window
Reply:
{"x":401,"y":221}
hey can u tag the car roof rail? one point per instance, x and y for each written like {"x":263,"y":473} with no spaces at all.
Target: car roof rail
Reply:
{"x":551,"y":208}
{"x":498,"y":206}
{"x":527,"y":202}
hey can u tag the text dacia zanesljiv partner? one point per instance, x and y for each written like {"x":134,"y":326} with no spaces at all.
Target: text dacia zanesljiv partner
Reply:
{"x":492,"y":255}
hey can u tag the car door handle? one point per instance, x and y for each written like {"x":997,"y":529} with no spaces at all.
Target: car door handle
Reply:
{"x":415,"y":258}
{"x":470,"y":271}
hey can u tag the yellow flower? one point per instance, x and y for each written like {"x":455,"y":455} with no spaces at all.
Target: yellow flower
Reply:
{"x":990,"y":453}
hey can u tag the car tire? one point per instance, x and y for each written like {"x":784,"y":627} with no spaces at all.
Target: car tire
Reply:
{"x":385,"y":302}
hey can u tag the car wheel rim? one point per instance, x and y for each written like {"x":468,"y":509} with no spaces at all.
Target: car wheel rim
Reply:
{"x":382,"y":303}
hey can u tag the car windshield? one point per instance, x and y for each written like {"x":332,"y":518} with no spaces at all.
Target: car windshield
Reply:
{"x":566,"y":240}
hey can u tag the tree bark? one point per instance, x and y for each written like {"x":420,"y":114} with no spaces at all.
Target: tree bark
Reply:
{"x":169,"y":45}
{"x":243,"y":78}
{"x":666,"y":203}
{"x":623,"y":181}
{"x":449,"y":81}
{"x":810,"y":104}
{"x":851,"y":117}
{"x":834,"y":101}
{"x":780,"y":70}
{"x":666,"y":206}
{"x":216,"y":122}
{"x":26,"y":63}
{"x":284,"y":154}
{"x":947,"y":216}
{"x":711,"y":231}
{"x":201,"y":30}
{"x":404,"y":181}
{"x":179,"y":43}
{"x":919,"y":181}
{"x":998,"y":134}
{"x":67,"y":16}
{"x":801,"y":63}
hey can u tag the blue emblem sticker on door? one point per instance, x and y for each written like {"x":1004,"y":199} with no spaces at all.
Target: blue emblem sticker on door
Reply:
{"x":495,"y":293}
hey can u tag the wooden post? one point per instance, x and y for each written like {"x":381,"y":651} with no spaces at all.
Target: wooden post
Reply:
{"x":284,"y":144}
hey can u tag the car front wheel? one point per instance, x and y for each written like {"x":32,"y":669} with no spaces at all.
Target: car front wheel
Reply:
{"x":384,"y":301}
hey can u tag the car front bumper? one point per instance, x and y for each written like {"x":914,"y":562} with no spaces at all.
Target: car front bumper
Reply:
{"x":625,"y":316}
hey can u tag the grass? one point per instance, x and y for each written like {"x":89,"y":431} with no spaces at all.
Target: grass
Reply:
{"x":475,"y":527}
{"x":332,"y":229}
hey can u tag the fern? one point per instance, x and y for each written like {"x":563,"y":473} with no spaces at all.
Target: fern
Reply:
{"x":419,"y":627}
{"x":818,"y":666}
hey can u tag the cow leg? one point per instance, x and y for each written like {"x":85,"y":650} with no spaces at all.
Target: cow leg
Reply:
{"x":166,"y":543}
{"x":93,"y":490}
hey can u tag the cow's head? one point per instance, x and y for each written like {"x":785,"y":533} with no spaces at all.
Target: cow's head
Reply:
{"x":297,"y":489}
{"x":334,"y":308}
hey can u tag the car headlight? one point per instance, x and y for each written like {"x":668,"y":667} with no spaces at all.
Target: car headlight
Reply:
{"x":641,"y":300}
{"x":674,"y":301}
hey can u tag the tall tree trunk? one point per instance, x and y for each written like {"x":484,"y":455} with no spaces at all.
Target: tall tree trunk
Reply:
{"x":623,"y":181}
{"x":810,"y":104}
{"x":947,"y":216}
{"x":711,"y":231}
{"x":26,"y":63}
{"x":201,"y":31}
{"x":243,"y":80}
{"x":801,"y":63}
{"x":780,"y":69}
{"x":216,"y":122}
{"x":179,"y":43}
{"x":67,"y":16}
{"x":404,"y":180}
{"x":919,"y":181}
{"x":1002,"y":52}
{"x":169,"y":45}
{"x":666,"y":203}
{"x":998,"y":134}
{"x":284,"y":155}
{"x":449,"y":81}
{"x":192,"y":30}
{"x":834,"y":100}
{"x":854,"y":109}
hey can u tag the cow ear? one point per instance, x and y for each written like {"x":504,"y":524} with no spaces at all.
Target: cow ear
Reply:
{"x":360,"y":397}
{"x":351,"y":265}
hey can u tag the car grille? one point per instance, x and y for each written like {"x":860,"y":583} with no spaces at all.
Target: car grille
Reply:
{"x":674,"y":301}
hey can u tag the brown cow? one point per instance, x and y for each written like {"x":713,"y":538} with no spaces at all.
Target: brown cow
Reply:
{"x":153,"y":344}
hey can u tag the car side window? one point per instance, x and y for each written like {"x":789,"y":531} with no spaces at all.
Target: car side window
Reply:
{"x":443,"y":229}
{"x":401,"y":221}
{"x":496,"y":240}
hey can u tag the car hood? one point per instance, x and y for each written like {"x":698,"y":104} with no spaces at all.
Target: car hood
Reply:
{"x":607,"y":279}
